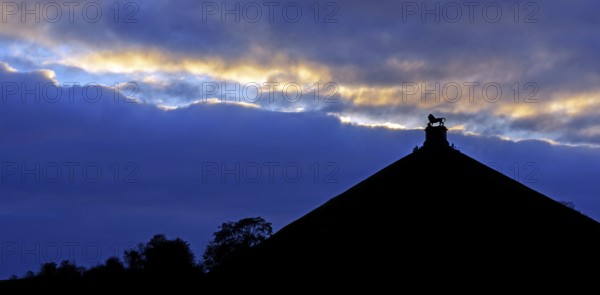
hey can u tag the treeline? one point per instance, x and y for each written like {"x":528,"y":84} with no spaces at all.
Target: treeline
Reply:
{"x":160,"y":258}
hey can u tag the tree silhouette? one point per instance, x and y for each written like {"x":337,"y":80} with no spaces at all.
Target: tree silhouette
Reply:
{"x":111,"y":269}
{"x":234,"y":238}
{"x":114,"y":265}
{"x":161,"y":256}
{"x":134,"y":258}
{"x":168,"y":256}
{"x":48,"y":270}
{"x":69,"y":270}
{"x":158,"y":258}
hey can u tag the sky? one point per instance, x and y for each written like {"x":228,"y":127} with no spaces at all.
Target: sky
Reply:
{"x":123,"y":119}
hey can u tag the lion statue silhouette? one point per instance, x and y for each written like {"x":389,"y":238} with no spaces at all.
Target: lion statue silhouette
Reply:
{"x":433,"y":120}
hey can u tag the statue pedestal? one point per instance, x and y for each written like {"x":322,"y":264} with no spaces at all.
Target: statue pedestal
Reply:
{"x":435,"y":136}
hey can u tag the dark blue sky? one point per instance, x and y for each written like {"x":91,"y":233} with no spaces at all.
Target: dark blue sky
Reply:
{"x":157,"y":124}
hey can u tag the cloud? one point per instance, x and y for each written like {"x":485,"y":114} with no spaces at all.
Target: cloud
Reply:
{"x":368,"y":53}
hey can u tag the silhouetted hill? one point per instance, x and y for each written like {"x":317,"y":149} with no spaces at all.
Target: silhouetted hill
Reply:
{"x":433,"y":216}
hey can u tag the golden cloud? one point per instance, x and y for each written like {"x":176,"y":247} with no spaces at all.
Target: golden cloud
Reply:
{"x":242,"y":70}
